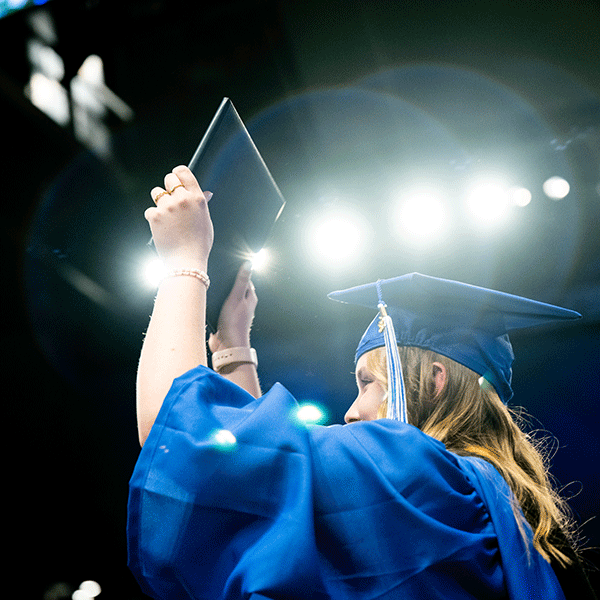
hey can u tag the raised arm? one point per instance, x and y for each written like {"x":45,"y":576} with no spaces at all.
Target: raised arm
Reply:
{"x":175,"y":339}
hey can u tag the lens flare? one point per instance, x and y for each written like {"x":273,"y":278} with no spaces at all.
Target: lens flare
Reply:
{"x":309,"y":413}
{"x":556,"y":188}
{"x":224,"y":440}
{"x":260,"y":260}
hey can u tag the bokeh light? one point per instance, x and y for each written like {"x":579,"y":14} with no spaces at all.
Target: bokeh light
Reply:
{"x":91,"y":587}
{"x":309,"y":413}
{"x":556,"y":188}
{"x":50,"y":97}
{"x":224,"y":440}
{"x":519,"y":196}
{"x":87,"y":591}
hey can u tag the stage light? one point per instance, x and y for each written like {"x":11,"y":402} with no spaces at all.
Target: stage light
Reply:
{"x":153,"y":272}
{"x":50,"y":97}
{"x":45,"y":60}
{"x":488,"y":203}
{"x":519,"y":196}
{"x":87,"y":591}
{"x":335,"y":239}
{"x":92,"y":588}
{"x":556,"y":188}
{"x":421,"y":217}
{"x":260,"y":260}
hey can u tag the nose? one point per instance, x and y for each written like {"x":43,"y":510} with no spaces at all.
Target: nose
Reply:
{"x":352,"y":413}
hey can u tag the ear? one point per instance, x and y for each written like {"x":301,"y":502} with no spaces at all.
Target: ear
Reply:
{"x":439,"y":374}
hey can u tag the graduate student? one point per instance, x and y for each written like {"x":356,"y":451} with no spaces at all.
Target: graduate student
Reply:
{"x":430,"y":490}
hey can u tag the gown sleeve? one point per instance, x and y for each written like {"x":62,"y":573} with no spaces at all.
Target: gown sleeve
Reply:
{"x":232,"y":497}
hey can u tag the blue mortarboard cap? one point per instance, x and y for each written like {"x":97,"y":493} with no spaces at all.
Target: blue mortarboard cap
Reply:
{"x":466,"y":323}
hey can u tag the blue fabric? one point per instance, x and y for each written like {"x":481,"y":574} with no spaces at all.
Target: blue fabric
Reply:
{"x":363,"y":511}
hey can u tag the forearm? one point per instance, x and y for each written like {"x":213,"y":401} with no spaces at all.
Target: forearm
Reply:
{"x":244,"y":375}
{"x":174,"y":344}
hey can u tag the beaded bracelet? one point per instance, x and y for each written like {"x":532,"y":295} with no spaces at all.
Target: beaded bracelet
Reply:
{"x":197,"y":273}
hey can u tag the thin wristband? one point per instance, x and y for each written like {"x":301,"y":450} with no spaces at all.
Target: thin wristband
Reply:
{"x":197,"y":273}
{"x":230,"y":356}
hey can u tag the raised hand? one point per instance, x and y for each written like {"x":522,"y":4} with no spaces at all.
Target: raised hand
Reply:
{"x":237,"y":313}
{"x":180,"y":222}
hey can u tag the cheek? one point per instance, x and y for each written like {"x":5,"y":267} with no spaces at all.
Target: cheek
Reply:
{"x":373,"y":401}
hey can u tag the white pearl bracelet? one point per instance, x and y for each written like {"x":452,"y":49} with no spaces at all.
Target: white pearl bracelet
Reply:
{"x":197,"y":273}
{"x":234,"y":355}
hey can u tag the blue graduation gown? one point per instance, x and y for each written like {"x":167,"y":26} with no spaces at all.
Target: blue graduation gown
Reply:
{"x":368,"y":510}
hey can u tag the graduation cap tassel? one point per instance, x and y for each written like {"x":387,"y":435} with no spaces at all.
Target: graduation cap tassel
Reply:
{"x":396,"y":408}
{"x":396,"y":405}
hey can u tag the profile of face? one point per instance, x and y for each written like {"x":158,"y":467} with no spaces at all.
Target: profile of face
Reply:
{"x":370,"y":394}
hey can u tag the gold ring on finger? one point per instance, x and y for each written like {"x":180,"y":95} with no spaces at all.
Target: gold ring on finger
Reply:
{"x":158,"y":196}
{"x":177,"y":186}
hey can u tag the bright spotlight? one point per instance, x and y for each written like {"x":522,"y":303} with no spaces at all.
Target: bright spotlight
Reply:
{"x":488,"y":203}
{"x":260,"y":260}
{"x":556,"y":188}
{"x":519,"y":196}
{"x":337,"y":237}
{"x":421,"y":217}
{"x":153,"y":272}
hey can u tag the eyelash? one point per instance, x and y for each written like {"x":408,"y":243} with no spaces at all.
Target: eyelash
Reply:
{"x":365,"y":381}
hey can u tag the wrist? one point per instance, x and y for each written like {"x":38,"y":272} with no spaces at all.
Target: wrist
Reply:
{"x":196,"y":273}
{"x":226,"y":342}
{"x":234,"y":356}
{"x":177,"y":264}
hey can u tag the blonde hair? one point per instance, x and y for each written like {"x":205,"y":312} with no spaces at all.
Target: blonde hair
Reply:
{"x":471,"y":420}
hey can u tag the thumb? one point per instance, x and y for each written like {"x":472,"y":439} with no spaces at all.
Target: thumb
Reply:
{"x":213,"y":342}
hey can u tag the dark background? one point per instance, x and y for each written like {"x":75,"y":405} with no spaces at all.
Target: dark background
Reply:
{"x":344,"y":100}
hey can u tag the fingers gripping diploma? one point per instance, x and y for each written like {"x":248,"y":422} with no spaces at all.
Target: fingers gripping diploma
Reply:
{"x":180,"y":222}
